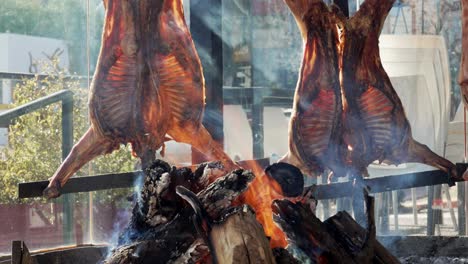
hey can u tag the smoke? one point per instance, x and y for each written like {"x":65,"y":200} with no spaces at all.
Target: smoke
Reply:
{"x":123,"y":217}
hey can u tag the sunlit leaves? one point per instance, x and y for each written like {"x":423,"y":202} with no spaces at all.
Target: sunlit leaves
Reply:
{"x":34,"y":151}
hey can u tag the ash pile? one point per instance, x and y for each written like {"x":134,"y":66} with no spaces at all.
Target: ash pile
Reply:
{"x":203,"y":216}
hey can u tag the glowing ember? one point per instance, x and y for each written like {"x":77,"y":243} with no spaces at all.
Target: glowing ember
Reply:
{"x":260,"y":195}
{"x":350,"y":148}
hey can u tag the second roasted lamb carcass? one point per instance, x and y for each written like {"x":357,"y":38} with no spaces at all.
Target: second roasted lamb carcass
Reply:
{"x":375,"y":123}
{"x":148,"y":84}
{"x":371,"y":123}
{"x":315,"y":127}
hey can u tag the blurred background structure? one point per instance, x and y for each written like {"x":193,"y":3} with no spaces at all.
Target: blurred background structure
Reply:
{"x":251,"y":60}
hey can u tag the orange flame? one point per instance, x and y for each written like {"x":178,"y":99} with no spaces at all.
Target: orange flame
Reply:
{"x":260,"y":195}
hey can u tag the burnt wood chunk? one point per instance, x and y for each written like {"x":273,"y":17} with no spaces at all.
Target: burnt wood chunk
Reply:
{"x":161,"y":226}
{"x":306,"y":232}
{"x":240,"y":239}
{"x":351,"y":233}
{"x":282,"y":256}
{"x":288,"y":176}
{"x":339,"y":239}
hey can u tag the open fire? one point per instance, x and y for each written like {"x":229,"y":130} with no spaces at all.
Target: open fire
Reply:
{"x":180,"y":218}
{"x":149,"y":89}
{"x":260,"y":194}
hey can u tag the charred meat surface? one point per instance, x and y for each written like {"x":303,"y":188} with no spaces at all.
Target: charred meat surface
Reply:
{"x":314,"y":132}
{"x":375,"y":123}
{"x":148,"y":84}
{"x":346,"y":111}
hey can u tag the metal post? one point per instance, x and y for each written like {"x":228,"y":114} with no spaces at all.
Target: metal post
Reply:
{"x":385,"y":226}
{"x":430,"y":213}
{"x":422,"y":17}
{"x":326,"y":203}
{"x":461,"y":208}
{"x":67,"y":144}
{"x":395,"y":205}
{"x":257,"y":123}
{"x":446,"y":190}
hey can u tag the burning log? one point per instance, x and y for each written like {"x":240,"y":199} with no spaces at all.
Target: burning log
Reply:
{"x":240,"y":239}
{"x":277,"y":181}
{"x":337,"y":240}
{"x":163,"y":226}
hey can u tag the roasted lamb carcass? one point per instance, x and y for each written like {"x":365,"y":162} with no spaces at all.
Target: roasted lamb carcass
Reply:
{"x":375,"y":125}
{"x":463,"y":73}
{"x":315,"y":126}
{"x":148,"y":83}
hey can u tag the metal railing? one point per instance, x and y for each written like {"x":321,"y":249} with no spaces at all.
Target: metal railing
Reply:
{"x":66,"y":99}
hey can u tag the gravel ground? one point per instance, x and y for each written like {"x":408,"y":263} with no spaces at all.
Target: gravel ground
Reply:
{"x":432,"y":260}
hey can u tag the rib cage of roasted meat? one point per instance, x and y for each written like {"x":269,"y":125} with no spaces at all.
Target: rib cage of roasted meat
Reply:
{"x":148,"y":84}
{"x":314,"y":129}
{"x":372,"y":125}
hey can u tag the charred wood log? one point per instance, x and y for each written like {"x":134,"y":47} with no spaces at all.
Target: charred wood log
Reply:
{"x":351,"y":233}
{"x":237,"y":238}
{"x":305,"y":231}
{"x":337,"y":240}
{"x":161,"y":227}
{"x":282,"y":256}
{"x":240,"y":239}
{"x":288,"y":176}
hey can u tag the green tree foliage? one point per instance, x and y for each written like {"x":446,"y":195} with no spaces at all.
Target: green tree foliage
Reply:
{"x":34,"y":151}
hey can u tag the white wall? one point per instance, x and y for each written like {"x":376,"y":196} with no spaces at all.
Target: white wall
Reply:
{"x":22,"y":54}
{"x":15,"y":50}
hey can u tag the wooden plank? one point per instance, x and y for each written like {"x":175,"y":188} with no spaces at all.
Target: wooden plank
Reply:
{"x":16,"y":252}
{"x":25,"y":255}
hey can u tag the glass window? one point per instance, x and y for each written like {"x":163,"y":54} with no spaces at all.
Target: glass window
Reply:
{"x":252,"y":52}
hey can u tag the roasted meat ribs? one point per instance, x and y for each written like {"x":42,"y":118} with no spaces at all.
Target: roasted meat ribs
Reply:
{"x":148,"y":84}
{"x":314,"y":133}
{"x":370,"y":123}
{"x":376,"y":126}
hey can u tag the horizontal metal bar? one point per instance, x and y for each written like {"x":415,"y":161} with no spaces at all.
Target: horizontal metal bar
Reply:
{"x":7,"y":116}
{"x":83,"y":184}
{"x":275,"y":101}
{"x":383,"y":184}
{"x":321,"y":192}
{"x":18,"y":76}
{"x":247,"y":96}
{"x":103,"y":182}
